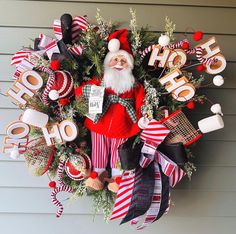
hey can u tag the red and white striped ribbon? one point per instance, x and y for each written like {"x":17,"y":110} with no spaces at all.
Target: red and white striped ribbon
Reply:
{"x":155,"y":131}
{"x":75,"y":50}
{"x":50,"y":82}
{"x":52,"y":48}
{"x":200,"y":57}
{"x":44,"y":41}
{"x":19,"y":56}
{"x":61,"y":188}
{"x":154,"y":209}
{"x":57,"y":29}
{"x":124,"y":196}
{"x":78,"y":23}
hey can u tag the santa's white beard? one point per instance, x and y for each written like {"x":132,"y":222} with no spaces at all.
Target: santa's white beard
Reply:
{"x":119,"y":81}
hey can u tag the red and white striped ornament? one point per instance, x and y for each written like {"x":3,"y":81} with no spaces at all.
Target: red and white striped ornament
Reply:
{"x":74,"y":166}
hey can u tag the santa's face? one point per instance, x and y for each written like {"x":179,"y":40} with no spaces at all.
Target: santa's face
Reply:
{"x":118,"y":74}
{"x":118,"y":62}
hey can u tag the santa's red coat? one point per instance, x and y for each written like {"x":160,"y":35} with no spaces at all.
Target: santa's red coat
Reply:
{"x":116,"y":122}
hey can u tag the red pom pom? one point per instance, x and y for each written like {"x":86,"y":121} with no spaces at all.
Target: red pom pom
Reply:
{"x":52,"y":184}
{"x":201,"y":67}
{"x":64,"y":101}
{"x":185,"y":45}
{"x":118,"y":179}
{"x":55,"y":65}
{"x":191,"y":105}
{"x":93,"y":174}
{"x":197,"y":36}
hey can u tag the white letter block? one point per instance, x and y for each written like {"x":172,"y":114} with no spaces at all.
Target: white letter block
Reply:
{"x":68,"y":130}
{"x":22,"y":90}
{"x":171,"y":80}
{"x":218,"y":67}
{"x":184,"y":92}
{"x":9,"y":144}
{"x":177,"y":58}
{"x":210,"y":52}
{"x":32,"y":80}
{"x":162,"y":58}
{"x":17,"y":130}
{"x":52,"y":137}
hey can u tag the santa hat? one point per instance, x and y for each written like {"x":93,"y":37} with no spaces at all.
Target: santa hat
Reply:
{"x":63,"y":86}
{"x":119,"y":45}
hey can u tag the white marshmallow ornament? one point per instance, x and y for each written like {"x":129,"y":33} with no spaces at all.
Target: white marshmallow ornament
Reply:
{"x":15,"y":154}
{"x":114,"y":45}
{"x":216,"y":109}
{"x":163,"y":40}
{"x":218,"y":80}
{"x":35,"y":118}
{"x":211,"y":123}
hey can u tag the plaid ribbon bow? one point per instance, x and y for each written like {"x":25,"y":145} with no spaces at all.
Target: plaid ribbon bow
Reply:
{"x":126,"y":102}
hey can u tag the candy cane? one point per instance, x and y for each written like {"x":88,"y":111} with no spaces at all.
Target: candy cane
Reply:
{"x":62,"y":188}
{"x":199,"y":54}
{"x":146,"y":51}
{"x":49,"y":84}
{"x":177,"y":44}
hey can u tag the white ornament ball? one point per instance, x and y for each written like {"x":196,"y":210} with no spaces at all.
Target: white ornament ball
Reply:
{"x":143,"y":122}
{"x":114,"y":45}
{"x":216,"y":109}
{"x":163,"y":40}
{"x":53,"y":95}
{"x":218,"y":80}
{"x":15,"y":153}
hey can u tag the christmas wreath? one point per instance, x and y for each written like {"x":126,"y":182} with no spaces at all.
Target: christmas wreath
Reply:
{"x":103,"y":111}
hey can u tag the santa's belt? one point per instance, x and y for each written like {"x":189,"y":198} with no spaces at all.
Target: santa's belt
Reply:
{"x":126,"y":102}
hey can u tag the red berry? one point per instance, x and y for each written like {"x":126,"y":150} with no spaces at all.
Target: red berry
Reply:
{"x":118,"y":179}
{"x":185,"y":45}
{"x":64,"y":101}
{"x":197,"y":36}
{"x":190,"y":105}
{"x":93,"y":174}
{"x":201,"y":68}
{"x":55,"y":65}
{"x":52,"y":184}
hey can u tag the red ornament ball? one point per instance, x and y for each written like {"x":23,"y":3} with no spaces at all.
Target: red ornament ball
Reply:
{"x":93,"y":174}
{"x":201,"y":68}
{"x":55,"y":65}
{"x":197,"y":36}
{"x":190,"y":105}
{"x":118,"y":179}
{"x":185,"y":45}
{"x":52,"y":184}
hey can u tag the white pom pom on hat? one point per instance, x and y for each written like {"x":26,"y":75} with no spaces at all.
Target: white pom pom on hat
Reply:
{"x":53,"y":95}
{"x":114,"y":45}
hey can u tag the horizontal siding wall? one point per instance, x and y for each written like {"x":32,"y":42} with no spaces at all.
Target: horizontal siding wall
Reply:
{"x":207,"y":204}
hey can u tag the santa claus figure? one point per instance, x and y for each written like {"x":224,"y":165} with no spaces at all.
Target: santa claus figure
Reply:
{"x":123,"y":99}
